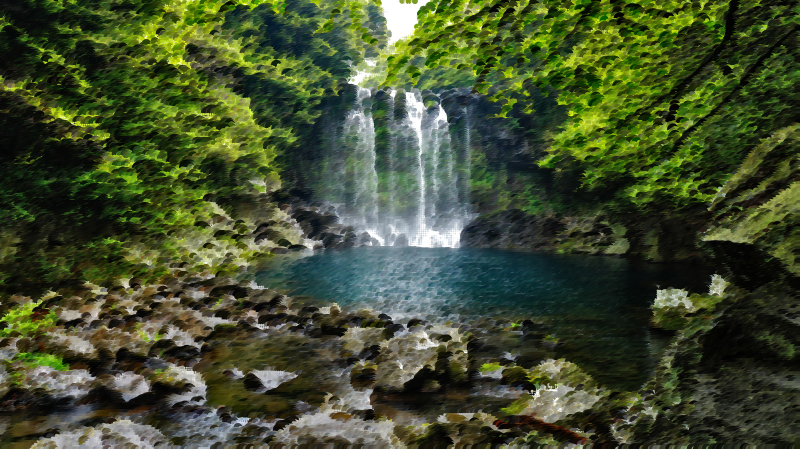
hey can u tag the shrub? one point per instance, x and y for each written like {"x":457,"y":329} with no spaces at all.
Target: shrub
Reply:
{"x":38,"y":359}
{"x":26,"y":321}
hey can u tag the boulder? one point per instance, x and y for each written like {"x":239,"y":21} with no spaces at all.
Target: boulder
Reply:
{"x":511,"y":228}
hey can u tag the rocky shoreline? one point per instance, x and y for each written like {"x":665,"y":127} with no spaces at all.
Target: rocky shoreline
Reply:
{"x":514,"y":229}
{"x":196,"y":359}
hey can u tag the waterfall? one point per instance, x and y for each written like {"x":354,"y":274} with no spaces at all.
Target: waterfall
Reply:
{"x":392,"y":163}
{"x":415,"y":110}
{"x":360,"y":135}
{"x":465,"y":176}
{"x":402,"y":180}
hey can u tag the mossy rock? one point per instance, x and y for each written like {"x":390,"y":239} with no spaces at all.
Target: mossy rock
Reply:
{"x":363,"y":376}
{"x":517,"y":376}
{"x":669,"y":318}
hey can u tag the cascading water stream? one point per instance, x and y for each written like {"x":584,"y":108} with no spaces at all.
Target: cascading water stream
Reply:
{"x":360,"y":134}
{"x":468,"y":155}
{"x":392,"y":163}
{"x":410,"y":200}
{"x":415,"y":110}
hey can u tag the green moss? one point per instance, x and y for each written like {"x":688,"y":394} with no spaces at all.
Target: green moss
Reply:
{"x":537,"y":439}
{"x":677,"y":318}
{"x":24,"y":320}
{"x":670,"y":318}
{"x":620,"y":246}
{"x":457,"y":373}
{"x":551,"y":338}
{"x":39,"y":359}
{"x":486,"y":367}
{"x":543,"y":382}
{"x":517,"y":406}
{"x":778,"y":343}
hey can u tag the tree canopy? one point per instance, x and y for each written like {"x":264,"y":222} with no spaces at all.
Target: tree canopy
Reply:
{"x":119,"y":118}
{"x":665,"y":98}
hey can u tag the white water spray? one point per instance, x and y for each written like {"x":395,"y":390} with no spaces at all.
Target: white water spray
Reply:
{"x":441,"y":210}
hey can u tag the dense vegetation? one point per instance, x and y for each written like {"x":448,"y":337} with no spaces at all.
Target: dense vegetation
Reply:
{"x":121,"y":120}
{"x":665,"y":99}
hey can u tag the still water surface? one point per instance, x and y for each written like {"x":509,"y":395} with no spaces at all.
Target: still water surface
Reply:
{"x":597,"y":306}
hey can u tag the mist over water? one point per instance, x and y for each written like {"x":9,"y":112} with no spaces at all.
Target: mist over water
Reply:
{"x":410,"y":191}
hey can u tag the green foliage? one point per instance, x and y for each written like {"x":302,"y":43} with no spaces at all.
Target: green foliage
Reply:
{"x":758,"y":203}
{"x":517,"y":406}
{"x":119,"y":122}
{"x":551,"y":338}
{"x":26,"y":321}
{"x":665,"y":99}
{"x":486,"y":367}
{"x":38,"y":359}
{"x":130,"y":104}
{"x":487,"y":185}
{"x":352,"y":13}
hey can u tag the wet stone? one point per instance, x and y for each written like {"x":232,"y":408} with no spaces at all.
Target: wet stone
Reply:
{"x":370,"y":353}
{"x":392,"y":329}
{"x":416,"y":322}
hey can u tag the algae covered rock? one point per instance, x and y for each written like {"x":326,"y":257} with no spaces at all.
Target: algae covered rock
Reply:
{"x":759,"y":206}
{"x":122,"y":433}
{"x":405,"y":355}
{"x":737,"y":359}
{"x":335,"y":423}
{"x":560,"y":389}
